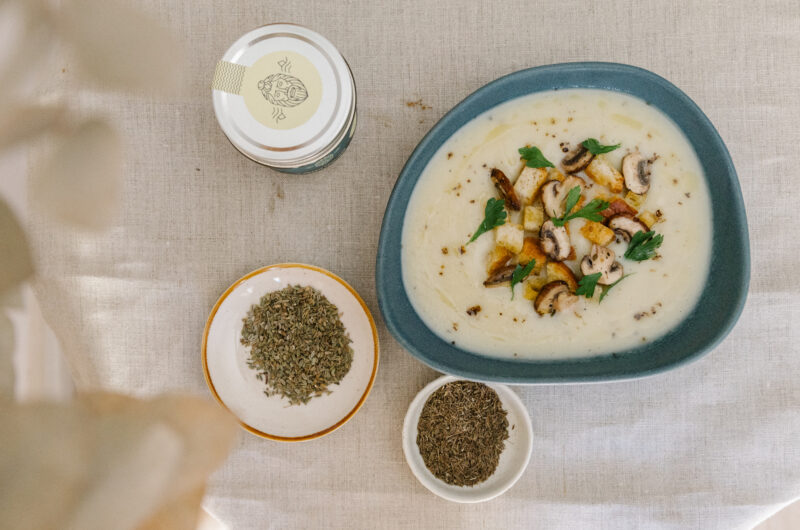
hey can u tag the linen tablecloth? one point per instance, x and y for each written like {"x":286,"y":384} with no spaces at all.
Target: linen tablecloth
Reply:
{"x":714,"y":444}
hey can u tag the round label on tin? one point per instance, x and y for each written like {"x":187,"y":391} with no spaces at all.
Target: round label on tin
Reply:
{"x":284,"y":96}
{"x":282,"y":90}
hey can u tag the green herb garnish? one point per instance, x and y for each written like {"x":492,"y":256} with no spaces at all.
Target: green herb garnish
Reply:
{"x":533,"y":157}
{"x":608,"y":287}
{"x":520,"y":273}
{"x":643,"y":245}
{"x":587,"y":284}
{"x":591,"y":211}
{"x":494,"y":216}
{"x":596,"y":148}
{"x":573,"y":197}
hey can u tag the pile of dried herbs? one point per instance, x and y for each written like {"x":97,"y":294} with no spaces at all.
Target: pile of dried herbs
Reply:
{"x":461,"y":432}
{"x":297,"y":342}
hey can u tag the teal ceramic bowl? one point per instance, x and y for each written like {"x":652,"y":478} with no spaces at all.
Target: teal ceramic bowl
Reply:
{"x":726,"y":286}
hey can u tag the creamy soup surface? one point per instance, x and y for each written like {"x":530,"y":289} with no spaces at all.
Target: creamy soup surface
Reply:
{"x":448,"y":203}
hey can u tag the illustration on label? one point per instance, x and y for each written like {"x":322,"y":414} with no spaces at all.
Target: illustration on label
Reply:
{"x":283,"y":90}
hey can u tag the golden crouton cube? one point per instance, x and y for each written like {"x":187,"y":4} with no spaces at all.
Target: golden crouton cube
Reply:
{"x":532,"y":250}
{"x":556,"y":175}
{"x":529,"y":291}
{"x":498,"y":257}
{"x":556,"y":270}
{"x":529,"y":182}
{"x":597,"y":233}
{"x":601,"y":171}
{"x":635,"y":199}
{"x":534,"y":283}
{"x":510,"y":236}
{"x":649,"y":218}
{"x":604,"y":197}
{"x":532,"y":218}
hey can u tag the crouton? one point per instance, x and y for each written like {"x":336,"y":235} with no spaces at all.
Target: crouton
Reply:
{"x":498,"y":257}
{"x":510,"y":236}
{"x":555,"y":174}
{"x":529,"y":291}
{"x":534,"y":283}
{"x":649,"y":218}
{"x":604,"y":197}
{"x":558,"y":271}
{"x":528,"y":183}
{"x":532,"y":218}
{"x":601,"y":171}
{"x":531,"y":250}
{"x":635,"y":200}
{"x":597,"y":233}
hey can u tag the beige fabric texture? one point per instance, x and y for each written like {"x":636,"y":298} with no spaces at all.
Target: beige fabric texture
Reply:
{"x":713,"y":444}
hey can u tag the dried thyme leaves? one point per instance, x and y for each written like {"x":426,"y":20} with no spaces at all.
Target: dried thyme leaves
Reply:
{"x":297,"y":342}
{"x":461,"y":432}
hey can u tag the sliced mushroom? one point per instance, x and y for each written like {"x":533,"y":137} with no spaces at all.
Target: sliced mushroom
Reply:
{"x":626,"y":225}
{"x":577,"y":159}
{"x":601,"y":259}
{"x":506,"y":190}
{"x":616,"y":206}
{"x":554,"y":194}
{"x":500,"y":276}
{"x":636,"y":170}
{"x":554,"y":297}
{"x":570,"y":182}
{"x":554,"y":240}
{"x":551,"y":198}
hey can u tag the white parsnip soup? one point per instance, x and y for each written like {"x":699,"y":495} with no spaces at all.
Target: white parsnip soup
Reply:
{"x":562,"y":224}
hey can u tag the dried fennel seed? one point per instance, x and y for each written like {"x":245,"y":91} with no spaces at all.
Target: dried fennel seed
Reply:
{"x":297,"y":342}
{"x":461,"y":432}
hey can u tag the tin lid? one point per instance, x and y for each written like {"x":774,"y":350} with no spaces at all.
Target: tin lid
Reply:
{"x":283,"y":95}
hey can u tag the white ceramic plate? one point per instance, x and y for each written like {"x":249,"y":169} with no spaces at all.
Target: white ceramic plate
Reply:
{"x":235,"y":386}
{"x":513,"y":460}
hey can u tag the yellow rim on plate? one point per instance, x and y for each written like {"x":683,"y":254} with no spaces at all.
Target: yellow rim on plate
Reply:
{"x":358,"y":405}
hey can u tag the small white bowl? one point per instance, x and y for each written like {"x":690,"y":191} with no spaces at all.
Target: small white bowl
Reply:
{"x":513,"y":460}
{"x":235,"y":385}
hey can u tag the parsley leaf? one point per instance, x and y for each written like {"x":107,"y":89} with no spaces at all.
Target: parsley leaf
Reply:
{"x":573,"y":197}
{"x":591,"y":211}
{"x":587,"y":284}
{"x":533,"y":157}
{"x":494,"y":215}
{"x":643,"y":245}
{"x":608,"y":287}
{"x":520,"y":273}
{"x":596,"y":148}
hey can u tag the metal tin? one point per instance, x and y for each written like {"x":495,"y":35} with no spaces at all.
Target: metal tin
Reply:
{"x":285,"y":98}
